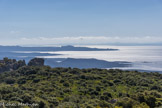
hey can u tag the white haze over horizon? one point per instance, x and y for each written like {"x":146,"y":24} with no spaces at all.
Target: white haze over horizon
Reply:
{"x":83,"y":40}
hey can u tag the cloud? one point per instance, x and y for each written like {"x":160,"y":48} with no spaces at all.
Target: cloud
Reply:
{"x":92,"y":40}
{"x":84,"y":40}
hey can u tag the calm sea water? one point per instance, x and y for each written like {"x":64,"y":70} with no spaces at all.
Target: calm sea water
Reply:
{"x":141,"y":57}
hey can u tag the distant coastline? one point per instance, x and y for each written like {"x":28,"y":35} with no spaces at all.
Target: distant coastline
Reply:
{"x":62,"y":48}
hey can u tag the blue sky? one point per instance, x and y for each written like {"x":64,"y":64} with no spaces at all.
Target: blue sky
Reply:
{"x":38,"y":22}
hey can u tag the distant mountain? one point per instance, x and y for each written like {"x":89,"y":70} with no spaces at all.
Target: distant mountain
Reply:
{"x":84,"y":63}
{"x":62,"y":48}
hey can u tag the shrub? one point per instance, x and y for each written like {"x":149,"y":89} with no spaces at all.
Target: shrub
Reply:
{"x":10,"y":81}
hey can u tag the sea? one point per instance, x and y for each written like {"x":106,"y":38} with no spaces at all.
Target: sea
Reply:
{"x":142,"y":58}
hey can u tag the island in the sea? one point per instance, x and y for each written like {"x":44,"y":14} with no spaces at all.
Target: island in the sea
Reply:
{"x":62,"y":48}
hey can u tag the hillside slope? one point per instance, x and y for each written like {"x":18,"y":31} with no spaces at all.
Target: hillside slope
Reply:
{"x":80,"y":88}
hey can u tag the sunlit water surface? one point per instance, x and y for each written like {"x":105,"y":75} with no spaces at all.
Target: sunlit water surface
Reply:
{"x":142,"y":57}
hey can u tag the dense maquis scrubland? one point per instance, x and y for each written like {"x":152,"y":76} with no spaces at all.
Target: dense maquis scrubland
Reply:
{"x":79,"y":88}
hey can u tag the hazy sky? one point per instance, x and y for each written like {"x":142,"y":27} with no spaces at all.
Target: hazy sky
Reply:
{"x":80,"y":21}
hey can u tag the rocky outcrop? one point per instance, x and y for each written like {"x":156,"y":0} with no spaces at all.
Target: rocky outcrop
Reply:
{"x":10,"y":64}
{"x":36,"y":62}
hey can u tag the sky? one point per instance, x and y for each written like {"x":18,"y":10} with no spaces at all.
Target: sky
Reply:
{"x":77,"y":22}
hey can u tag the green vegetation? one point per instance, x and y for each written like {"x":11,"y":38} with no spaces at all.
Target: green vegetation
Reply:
{"x":10,"y":64}
{"x":81,"y":88}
